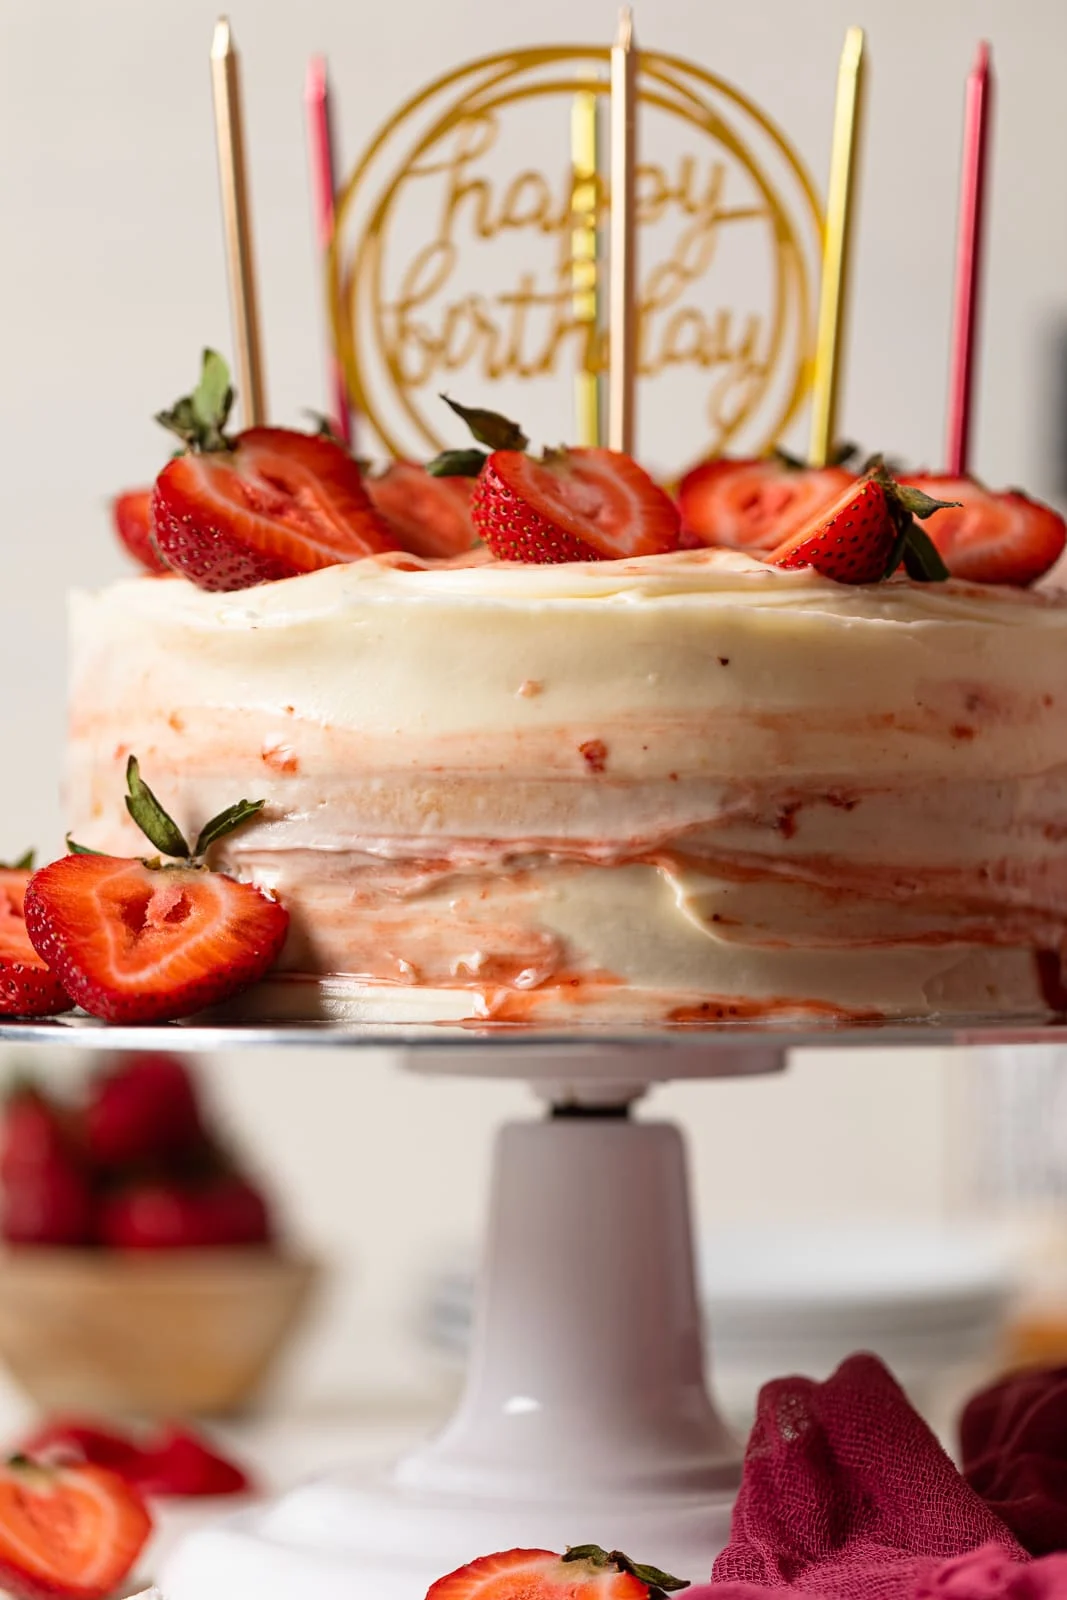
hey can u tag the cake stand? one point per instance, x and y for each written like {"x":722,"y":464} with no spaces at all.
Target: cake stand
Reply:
{"x":585,"y":1415}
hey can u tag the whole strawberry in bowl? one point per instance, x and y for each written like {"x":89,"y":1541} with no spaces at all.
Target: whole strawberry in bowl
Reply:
{"x":146,"y":1269}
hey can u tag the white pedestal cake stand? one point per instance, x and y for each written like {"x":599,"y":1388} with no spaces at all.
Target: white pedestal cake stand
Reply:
{"x":585,"y":1416}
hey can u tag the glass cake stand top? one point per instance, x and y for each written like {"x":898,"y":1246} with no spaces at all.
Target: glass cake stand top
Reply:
{"x":729,"y":1036}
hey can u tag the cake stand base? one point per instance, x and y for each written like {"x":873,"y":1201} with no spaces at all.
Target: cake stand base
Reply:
{"x":585,"y":1416}
{"x":338,"y":1540}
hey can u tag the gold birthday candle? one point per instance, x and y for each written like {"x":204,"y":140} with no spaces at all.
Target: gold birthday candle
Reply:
{"x":233,"y":181}
{"x":623,"y":298}
{"x":833,"y":297}
{"x":585,"y":262}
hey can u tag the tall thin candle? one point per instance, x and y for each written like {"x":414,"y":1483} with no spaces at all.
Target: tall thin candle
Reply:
{"x":585,"y":254}
{"x":623,"y":297}
{"x":963,"y":360}
{"x":837,"y":241}
{"x":233,"y":181}
{"x":323,"y":194}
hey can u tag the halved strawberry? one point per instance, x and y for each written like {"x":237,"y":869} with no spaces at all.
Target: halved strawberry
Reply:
{"x":27,"y":987}
{"x":865,"y":535}
{"x":267,"y":504}
{"x":428,"y":516}
{"x":139,"y":943}
{"x":132,"y":515}
{"x":585,"y":1571}
{"x":755,"y":505}
{"x":994,"y":537}
{"x":144,"y":941}
{"x":572,"y":505}
{"x":72,"y":1530}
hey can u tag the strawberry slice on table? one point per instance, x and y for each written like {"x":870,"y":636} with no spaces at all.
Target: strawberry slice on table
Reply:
{"x":175,"y":1463}
{"x":865,"y":535}
{"x":992,"y":537}
{"x":428,"y":516}
{"x":72,"y":1531}
{"x":584,"y":1571}
{"x":755,"y":504}
{"x":268,"y":503}
{"x":132,"y":515}
{"x":27,"y":987}
{"x":147,"y":940}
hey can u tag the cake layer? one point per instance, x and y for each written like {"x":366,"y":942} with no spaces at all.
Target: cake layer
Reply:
{"x":630,"y":789}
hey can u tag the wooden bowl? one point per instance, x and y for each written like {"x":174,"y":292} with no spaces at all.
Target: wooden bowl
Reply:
{"x":159,"y":1334}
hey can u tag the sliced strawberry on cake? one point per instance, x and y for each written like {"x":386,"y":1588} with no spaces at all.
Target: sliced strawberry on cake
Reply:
{"x":585,"y":1572}
{"x":132,"y":515}
{"x":269,"y":503}
{"x":565,"y":505}
{"x":992,"y":537}
{"x":429,"y":516}
{"x":867,"y":533}
{"x":755,"y":504}
{"x":27,"y":987}
{"x":70,"y":1531}
{"x":571,"y":505}
{"x":153,"y":940}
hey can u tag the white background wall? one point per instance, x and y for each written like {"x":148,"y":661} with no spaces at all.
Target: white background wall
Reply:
{"x":111,"y":279}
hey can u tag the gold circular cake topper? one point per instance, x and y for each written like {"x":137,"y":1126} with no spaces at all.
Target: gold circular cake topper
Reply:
{"x":468,"y":258}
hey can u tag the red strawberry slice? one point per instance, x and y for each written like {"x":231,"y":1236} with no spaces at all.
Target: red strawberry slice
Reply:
{"x":585,"y":1571}
{"x":850,"y":541}
{"x":182,"y":1464}
{"x":67,"y":1439}
{"x":993,"y":537}
{"x":429,"y":517}
{"x":71,"y":1531}
{"x":175,"y":1462}
{"x":27,"y":987}
{"x":132,"y":516}
{"x":574,"y":505}
{"x":133,"y":943}
{"x":277,"y":504}
{"x":755,"y":505}
{"x":866,"y":533}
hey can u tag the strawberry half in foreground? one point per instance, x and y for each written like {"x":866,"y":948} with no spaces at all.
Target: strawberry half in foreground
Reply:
{"x":755,"y":505}
{"x":867,"y":533}
{"x":993,"y":537}
{"x":566,"y":505}
{"x":585,"y":1571}
{"x":27,"y":987}
{"x":72,"y":1531}
{"x":148,"y":940}
{"x":265,"y":504}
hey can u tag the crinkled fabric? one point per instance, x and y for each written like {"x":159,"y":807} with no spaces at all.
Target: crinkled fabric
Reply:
{"x":1013,"y":1448}
{"x":847,"y":1495}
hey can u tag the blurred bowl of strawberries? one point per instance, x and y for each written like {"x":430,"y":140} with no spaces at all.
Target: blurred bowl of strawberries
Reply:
{"x":143,"y":1272}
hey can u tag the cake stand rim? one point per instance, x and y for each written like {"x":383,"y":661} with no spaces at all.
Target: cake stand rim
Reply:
{"x":971,"y":1031}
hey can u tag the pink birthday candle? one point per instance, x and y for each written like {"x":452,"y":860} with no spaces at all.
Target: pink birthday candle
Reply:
{"x":323,"y":191}
{"x":973,"y":183}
